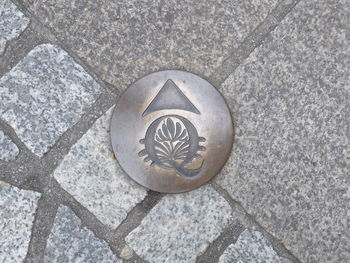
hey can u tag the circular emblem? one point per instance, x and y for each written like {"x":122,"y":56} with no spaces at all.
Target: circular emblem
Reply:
{"x":171,"y":131}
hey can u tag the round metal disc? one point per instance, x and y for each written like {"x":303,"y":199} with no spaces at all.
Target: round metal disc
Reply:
{"x":171,"y":131}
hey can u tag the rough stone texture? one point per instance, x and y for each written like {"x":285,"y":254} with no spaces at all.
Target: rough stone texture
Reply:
{"x":291,"y":157}
{"x":151,"y":35}
{"x":12,"y":23}
{"x":70,"y":243}
{"x":181,"y":226}
{"x":44,"y":95}
{"x":92,"y":175}
{"x":8,"y":150}
{"x":251,"y":247}
{"x":17,"y":209}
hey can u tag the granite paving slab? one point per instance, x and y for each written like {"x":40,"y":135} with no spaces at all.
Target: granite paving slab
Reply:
{"x":93,"y":176}
{"x":251,"y":247}
{"x":69,"y":242}
{"x":8,"y":150}
{"x":291,"y":105}
{"x":181,"y":226}
{"x":124,"y":40}
{"x":12,"y":23}
{"x":44,"y":95}
{"x":17,"y":210}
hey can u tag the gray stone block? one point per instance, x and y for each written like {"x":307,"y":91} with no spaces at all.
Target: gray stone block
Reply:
{"x":93,"y":176}
{"x":17,"y":210}
{"x":68,"y":242}
{"x":12,"y":23}
{"x":251,"y":247}
{"x":124,"y":40}
{"x":8,"y":150}
{"x":181,"y":226}
{"x":44,"y":95}
{"x":291,"y":105}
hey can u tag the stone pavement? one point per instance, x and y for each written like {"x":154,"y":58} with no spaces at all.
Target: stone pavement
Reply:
{"x":283,"y":67}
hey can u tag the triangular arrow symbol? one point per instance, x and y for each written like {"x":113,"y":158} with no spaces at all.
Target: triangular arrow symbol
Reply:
{"x":170,"y":97}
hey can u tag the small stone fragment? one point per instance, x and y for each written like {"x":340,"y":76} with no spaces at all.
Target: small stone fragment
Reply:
{"x":12,"y":23}
{"x":70,"y":243}
{"x":17,"y":210}
{"x":181,"y":226}
{"x":8,"y":150}
{"x":126,"y":252}
{"x":251,"y":247}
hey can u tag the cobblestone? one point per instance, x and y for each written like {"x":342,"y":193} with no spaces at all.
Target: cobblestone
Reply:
{"x":291,"y":104}
{"x":17,"y":209}
{"x":12,"y":23}
{"x":44,"y":95}
{"x":125,"y":40}
{"x":68,"y":242}
{"x":251,"y":247}
{"x":180,"y":227}
{"x":8,"y":150}
{"x":92,"y":175}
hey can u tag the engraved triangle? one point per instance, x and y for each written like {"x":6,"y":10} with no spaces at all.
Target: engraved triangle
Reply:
{"x":170,"y":97}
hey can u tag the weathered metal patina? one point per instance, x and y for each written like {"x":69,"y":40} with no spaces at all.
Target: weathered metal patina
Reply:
{"x":171,"y":131}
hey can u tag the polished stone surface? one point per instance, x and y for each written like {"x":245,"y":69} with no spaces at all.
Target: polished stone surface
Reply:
{"x":125,"y":40}
{"x":8,"y":150}
{"x":69,"y":242}
{"x":181,"y":226}
{"x":251,"y":247}
{"x":12,"y":23}
{"x":290,"y":163}
{"x":17,"y":210}
{"x":44,"y":95}
{"x":92,"y":175}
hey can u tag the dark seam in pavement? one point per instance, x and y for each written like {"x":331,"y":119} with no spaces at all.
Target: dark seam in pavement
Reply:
{"x":251,"y":42}
{"x":47,"y":36}
{"x":44,"y":218}
{"x":10,"y":132}
{"x":115,"y":238}
{"x":228,"y":236}
{"x":236,"y":205}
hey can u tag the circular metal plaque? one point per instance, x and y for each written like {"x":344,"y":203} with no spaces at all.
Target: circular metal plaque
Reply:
{"x":171,"y":131}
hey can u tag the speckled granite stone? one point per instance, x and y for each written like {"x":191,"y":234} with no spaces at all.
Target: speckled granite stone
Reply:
{"x":44,"y":95}
{"x":8,"y":150}
{"x":151,"y":35}
{"x":251,"y":247}
{"x":291,"y":156}
{"x":181,"y":226}
{"x":68,"y":242}
{"x":92,"y":175}
{"x":17,"y":210}
{"x":12,"y":22}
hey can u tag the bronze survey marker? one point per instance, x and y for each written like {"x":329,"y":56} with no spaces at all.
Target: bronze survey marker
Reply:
{"x":171,"y":131}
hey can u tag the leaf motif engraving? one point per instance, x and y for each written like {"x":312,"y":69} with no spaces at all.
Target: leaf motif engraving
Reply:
{"x":171,"y":143}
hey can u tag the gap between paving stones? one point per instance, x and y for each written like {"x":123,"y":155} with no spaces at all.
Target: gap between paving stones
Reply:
{"x":114,"y":237}
{"x":249,"y":221}
{"x":229,"y":236}
{"x":43,"y":222}
{"x":35,"y":34}
{"x":18,"y":48}
{"x":252,"y":41}
{"x":31,"y":172}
